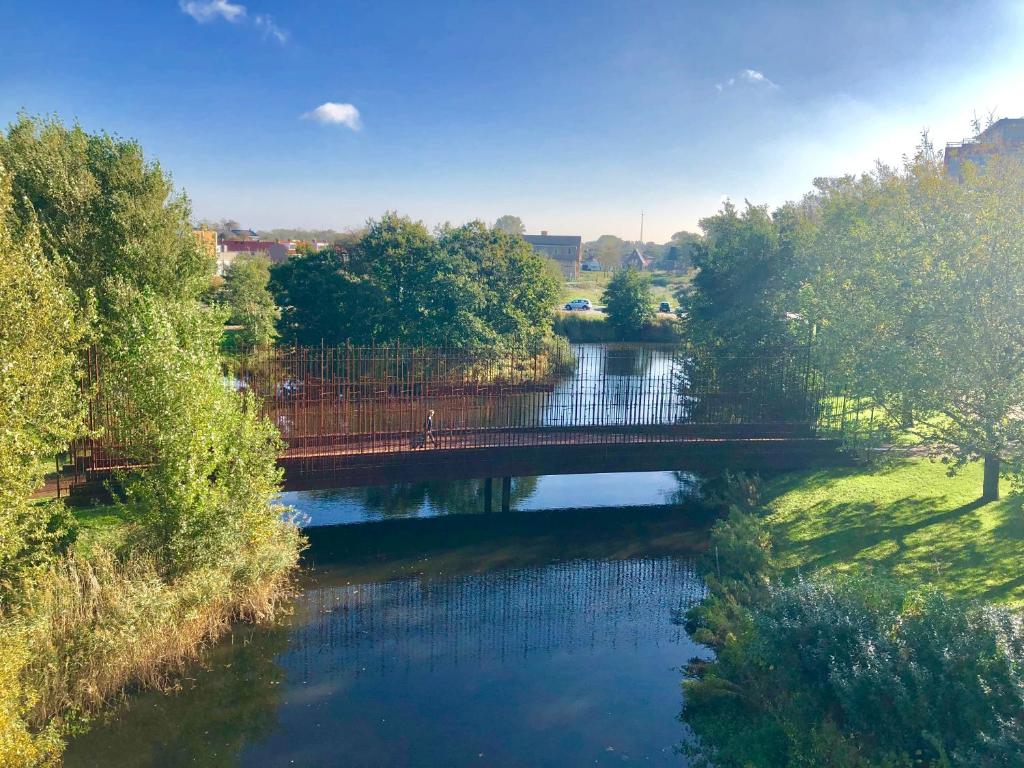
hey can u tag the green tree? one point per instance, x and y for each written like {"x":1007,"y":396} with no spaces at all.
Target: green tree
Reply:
{"x":511,"y":225}
{"x":467,"y":287}
{"x":917,"y":293}
{"x":609,"y":250}
{"x":628,"y":302}
{"x":105,"y":214}
{"x":208,"y":471}
{"x":321,"y":301}
{"x":41,"y":335}
{"x":747,"y":281}
{"x":250,"y":302}
{"x":520,"y":288}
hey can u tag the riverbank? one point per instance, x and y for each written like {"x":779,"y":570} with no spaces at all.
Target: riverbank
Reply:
{"x":909,"y":520}
{"x":104,"y":619}
{"x":594,"y":328}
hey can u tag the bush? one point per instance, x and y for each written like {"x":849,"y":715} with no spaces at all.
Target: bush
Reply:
{"x":862,"y":672}
{"x":628,"y":301}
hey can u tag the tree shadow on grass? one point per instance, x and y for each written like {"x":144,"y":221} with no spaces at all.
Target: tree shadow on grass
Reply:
{"x":780,"y":485}
{"x":857,"y":528}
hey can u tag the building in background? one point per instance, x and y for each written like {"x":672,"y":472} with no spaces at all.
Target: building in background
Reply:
{"x":636,"y":260}
{"x":1002,"y":138}
{"x":565,"y":250}
{"x":273,"y":250}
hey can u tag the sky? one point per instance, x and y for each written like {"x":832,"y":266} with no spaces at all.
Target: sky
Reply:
{"x":573,"y":115}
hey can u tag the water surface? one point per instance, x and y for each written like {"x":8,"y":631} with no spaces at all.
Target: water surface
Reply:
{"x":542,"y":639}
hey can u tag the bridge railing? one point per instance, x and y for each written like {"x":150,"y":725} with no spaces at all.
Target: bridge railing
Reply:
{"x":344,"y":401}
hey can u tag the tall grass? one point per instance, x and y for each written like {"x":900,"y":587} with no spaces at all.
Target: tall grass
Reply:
{"x":91,"y":628}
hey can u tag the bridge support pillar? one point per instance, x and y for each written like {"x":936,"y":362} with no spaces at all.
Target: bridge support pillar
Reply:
{"x":488,"y":495}
{"x":506,"y":494}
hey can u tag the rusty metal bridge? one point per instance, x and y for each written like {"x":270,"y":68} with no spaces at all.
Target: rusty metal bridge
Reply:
{"x":352,"y":416}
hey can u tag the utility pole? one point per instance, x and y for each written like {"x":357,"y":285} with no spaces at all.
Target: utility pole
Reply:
{"x":641,"y":230}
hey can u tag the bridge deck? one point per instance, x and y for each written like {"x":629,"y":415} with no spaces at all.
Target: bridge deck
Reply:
{"x":482,"y":454}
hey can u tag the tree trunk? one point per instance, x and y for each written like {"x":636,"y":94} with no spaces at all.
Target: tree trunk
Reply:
{"x":906,"y":415}
{"x":990,"y":485}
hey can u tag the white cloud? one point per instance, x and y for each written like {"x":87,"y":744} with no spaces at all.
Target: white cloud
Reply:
{"x":333,"y":113}
{"x":270,"y":29}
{"x":205,"y":11}
{"x":209,"y":10}
{"x":751,"y":76}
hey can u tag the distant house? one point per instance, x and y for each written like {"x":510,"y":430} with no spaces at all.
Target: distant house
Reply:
{"x":636,"y":260}
{"x":565,"y":250}
{"x":245,"y":234}
{"x":1004,"y":137}
{"x":276,"y":252}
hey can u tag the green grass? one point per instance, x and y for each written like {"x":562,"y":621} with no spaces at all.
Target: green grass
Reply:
{"x":102,"y":524}
{"x":591,"y":285}
{"x":910,"y":520}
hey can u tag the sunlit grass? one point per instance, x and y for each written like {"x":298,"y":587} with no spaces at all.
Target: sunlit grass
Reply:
{"x":910,"y":520}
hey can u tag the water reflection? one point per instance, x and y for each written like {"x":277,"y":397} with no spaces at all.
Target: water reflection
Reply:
{"x":625,"y":489}
{"x":505,"y":640}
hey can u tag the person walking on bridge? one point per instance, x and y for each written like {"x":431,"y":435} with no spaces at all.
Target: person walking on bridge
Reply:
{"x":428,"y":430}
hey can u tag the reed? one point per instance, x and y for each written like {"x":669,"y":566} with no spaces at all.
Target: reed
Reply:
{"x":93,"y":628}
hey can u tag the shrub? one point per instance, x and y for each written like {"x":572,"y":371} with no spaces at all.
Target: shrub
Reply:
{"x":862,"y":672}
{"x":628,"y":301}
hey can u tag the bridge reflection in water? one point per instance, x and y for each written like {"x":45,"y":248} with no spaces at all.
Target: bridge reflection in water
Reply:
{"x":433,"y":623}
{"x":548,"y":639}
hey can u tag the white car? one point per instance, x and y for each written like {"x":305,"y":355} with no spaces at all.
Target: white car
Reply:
{"x":582,"y":305}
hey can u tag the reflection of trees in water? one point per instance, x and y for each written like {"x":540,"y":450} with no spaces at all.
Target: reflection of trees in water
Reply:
{"x":627,"y":361}
{"x":687,"y":489}
{"x":446,"y":496}
{"x":393,"y":625}
{"x":231,"y":702}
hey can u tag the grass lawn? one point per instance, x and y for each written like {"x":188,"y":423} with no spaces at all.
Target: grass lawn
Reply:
{"x":99,"y":524}
{"x":591,"y":285}
{"x":910,"y":520}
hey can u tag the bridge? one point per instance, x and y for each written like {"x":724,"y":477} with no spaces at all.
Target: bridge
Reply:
{"x":355,"y":416}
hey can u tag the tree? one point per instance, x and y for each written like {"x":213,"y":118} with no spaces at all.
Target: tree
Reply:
{"x":469,"y":287}
{"x":509,"y":224}
{"x":41,"y":335}
{"x":917,"y":292}
{"x":207,"y":460}
{"x":250,"y":302}
{"x":105,"y":215}
{"x":520,"y":288}
{"x":609,"y":250}
{"x":747,"y":280}
{"x":628,"y":301}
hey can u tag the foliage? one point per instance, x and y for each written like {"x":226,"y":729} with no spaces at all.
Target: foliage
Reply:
{"x":511,"y":225}
{"x":40,"y":410}
{"x":747,"y":280}
{"x":627,"y":301}
{"x":860,"y":672}
{"x":916,"y":293}
{"x":209,"y":460}
{"x":250,"y":302}
{"x":469,"y":287}
{"x":105,"y":214}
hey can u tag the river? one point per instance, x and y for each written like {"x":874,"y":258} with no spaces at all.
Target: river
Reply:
{"x":524,"y":639}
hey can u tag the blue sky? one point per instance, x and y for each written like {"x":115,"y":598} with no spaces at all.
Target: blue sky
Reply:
{"x":573,"y":115}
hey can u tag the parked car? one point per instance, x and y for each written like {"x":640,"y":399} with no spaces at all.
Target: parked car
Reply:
{"x":581,"y":305}
{"x":664,"y":307}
